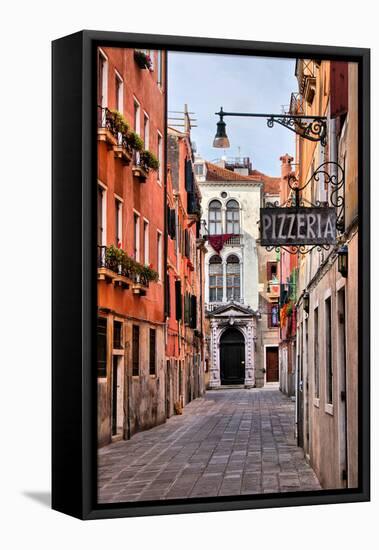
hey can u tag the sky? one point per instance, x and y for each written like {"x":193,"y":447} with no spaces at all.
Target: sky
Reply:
{"x":239,"y":83}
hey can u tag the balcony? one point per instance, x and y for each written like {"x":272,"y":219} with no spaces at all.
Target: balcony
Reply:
{"x":139,"y":169}
{"x":110,"y":270}
{"x":296,"y":104}
{"x":108,"y":133}
{"x":273,"y":290}
{"x":113,"y":268}
{"x":306,"y":70}
{"x":236,"y":240}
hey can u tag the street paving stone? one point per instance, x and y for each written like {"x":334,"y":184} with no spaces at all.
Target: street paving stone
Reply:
{"x":229,"y":442}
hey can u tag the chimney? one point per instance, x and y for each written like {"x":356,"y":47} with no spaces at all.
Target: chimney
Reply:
{"x":286,"y":169}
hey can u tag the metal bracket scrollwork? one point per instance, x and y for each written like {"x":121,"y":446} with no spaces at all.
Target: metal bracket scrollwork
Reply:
{"x":332,"y":175}
{"x":312,"y":129}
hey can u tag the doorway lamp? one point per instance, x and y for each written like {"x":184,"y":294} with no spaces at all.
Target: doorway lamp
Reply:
{"x":312,"y":128}
{"x":343,"y":260}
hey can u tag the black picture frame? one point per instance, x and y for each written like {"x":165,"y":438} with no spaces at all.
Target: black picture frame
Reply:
{"x":74,"y":274}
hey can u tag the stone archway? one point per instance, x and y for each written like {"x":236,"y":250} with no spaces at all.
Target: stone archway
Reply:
{"x":232,"y":357}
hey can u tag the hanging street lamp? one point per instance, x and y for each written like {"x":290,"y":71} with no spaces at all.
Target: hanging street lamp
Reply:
{"x":312,"y":128}
{"x":221,"y":140}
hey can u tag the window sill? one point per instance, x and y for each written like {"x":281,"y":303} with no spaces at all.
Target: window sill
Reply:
{"x":316,"y":402}
{"x":329,"y":408}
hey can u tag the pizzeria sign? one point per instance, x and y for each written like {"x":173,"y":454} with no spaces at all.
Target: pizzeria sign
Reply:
{"x":297,"y":226}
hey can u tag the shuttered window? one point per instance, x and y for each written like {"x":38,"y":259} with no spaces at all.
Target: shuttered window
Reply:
{"x":135,"y":350}
{"x":101,"y":347}
{"x":152,"y":351}
{"x":178,"y":300}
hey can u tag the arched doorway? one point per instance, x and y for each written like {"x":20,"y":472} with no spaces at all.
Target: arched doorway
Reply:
{"x":232,"y":357}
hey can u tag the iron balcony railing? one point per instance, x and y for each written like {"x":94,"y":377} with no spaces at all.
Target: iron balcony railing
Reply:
{"x":108,"y":261}
{"x":106,"y":119}
{"x":236,"y":240}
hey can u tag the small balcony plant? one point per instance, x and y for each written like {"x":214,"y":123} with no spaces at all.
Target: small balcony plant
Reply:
{"x":120,"y":124}
{"x":143,"y":59}
{"x":149,"y":160}
{"x":134,"y":141}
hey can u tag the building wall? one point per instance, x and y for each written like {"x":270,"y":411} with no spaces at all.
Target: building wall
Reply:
{"x":184,"y":343}
{"x":328,"y":431}
{"x":248,"y":197}
{"x":143,"y":395}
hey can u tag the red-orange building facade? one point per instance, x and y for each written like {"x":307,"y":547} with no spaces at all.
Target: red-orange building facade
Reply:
{"x":131,"y":206}
{"x":185,"y":277}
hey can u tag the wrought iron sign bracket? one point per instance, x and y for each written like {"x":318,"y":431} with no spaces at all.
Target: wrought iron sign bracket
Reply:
{"x":312,"y":128}
{"x":330,"y":174}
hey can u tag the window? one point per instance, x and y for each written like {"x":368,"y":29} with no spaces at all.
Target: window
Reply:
{"x":101,"y":213}
{"x":118,"y":222}
{"x":119,"y":93}
{"x":178,"y":300}
{"x":215,"y":279}
{"x":233,"y":278}
{"x":233,"y":217}
{"x":137,"y":117}
{"x":101,"y":347}
{"x":159,"y":68}
{"x":316,"y":352}
{"x":117,"y":335}
{"x":199,"y":169}
{"x":152,"y":354}
{"x":102,"y":81}
{"x":135,"y":350}
{"x":215,"y":226}
{"x":328,"y":350}
{"x":273,"y":316}
{"x":146,"y":245}
{"x":136,"y":238}
{"x":272,"y":271}
{"x":160,"y":157}
{"x":146,"y":131}
{"x":159,"y":254}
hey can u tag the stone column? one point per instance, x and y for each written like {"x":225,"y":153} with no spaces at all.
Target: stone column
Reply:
{"x":215,"y":381}
{"x":250,"y":355}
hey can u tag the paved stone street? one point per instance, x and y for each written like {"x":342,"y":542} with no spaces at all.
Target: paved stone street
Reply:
{"x":230,"y":442}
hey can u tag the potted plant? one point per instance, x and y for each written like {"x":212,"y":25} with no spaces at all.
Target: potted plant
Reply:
{"x":134,"y":141}
{"x":149,"y":160}
{"x":119,"y":122}
{"x":143,"y":59}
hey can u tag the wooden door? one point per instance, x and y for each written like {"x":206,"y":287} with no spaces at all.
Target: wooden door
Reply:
{"x":232,"y":357}
{"x":272,"y":365}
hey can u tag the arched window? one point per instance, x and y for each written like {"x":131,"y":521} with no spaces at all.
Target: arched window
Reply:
{"x":215,"y":279}
{"x":215,"y":226}
{"x":233,"y":278}
{"x":233,"y":217}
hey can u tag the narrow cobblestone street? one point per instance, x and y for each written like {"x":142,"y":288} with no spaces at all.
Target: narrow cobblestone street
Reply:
{"x":229,"y":442}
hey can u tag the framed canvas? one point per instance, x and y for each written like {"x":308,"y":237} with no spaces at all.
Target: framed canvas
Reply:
{"x":211,"y":289}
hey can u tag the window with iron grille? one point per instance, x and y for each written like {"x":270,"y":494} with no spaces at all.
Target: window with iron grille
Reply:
{"x":215,"y":225}
{"x":215,"y":279}
{"x":135,"y":350}
{"x":233,"y":278}
{"x":101,"y":347}
{"x":117,"y":335}
{"x":152,"y":351}
{"x":233,"y":217}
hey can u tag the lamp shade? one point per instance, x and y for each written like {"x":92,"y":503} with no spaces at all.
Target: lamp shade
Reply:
{"x":221,"y":140}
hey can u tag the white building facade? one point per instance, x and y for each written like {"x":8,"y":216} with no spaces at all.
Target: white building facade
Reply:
{"x":230,"y":212}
